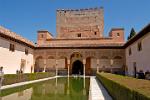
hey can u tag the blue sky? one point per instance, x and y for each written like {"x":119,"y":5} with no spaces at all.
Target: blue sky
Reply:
{"x":26,"y":17}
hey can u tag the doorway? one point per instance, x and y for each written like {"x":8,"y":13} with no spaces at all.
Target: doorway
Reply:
{"x":77,"y":67}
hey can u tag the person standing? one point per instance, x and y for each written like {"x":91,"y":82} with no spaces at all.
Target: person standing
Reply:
{"x":1,"y":76}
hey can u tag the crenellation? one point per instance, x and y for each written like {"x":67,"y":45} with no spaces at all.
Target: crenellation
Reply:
{"x":83,"y":9}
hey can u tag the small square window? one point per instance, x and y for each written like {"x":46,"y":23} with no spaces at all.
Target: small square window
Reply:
{"x":42,"y":35}
{"x":79,"y":35}
{"x":118,"y":34}
{"x":95,"y":33}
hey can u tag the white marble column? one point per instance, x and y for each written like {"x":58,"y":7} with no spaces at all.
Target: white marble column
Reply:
{"x":56,"y":62}
{"x":111,"y":65}
{"x":84,"y":62}
{"x":68,"y":64}
{"x":33,"y":66}
{"x":97,"y":67}
{"x":44,"y":65}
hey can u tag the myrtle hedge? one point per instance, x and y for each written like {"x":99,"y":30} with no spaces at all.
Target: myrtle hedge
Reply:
{"x":125,"y":88}
{"x":16,"y":78}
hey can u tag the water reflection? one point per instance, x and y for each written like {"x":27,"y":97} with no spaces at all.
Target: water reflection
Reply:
{"x":55,"y":89}
{"x":22,"y":95}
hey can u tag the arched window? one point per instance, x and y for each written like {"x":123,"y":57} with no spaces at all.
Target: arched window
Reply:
{"x":117,"y":57}
{"x":104,"y":57}
{"x":50,"y":57}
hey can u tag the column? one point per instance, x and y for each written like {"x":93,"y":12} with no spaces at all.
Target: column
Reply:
{"x":84,"y":62}
{"x":32,"y":69}
{"x":111,"y":64}
{"x":56,"y":62}
{"x":44,"y":65}
{"x":97,"y":67}
{"x":68,"y":64}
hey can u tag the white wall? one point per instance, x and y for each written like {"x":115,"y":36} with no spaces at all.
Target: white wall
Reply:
{"x":142,"y":58}
{"x":11,"y":61}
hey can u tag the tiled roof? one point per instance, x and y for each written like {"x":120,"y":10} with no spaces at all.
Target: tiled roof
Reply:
{"x":15,"y":36}
{"x":143,"y":32}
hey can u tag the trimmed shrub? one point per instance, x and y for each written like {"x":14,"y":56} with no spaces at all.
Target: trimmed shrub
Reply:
{"x":16,"y":78}
{"x":125,"y":88}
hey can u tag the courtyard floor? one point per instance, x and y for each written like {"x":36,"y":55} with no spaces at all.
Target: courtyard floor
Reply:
{"x":97,"y":91}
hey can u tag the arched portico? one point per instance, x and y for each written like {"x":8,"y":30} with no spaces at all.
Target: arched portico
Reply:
{"x":76,"y":64}
{"x":39,"y":64}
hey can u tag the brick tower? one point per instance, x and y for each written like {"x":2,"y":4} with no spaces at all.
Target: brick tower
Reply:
{"x":80,"y":23}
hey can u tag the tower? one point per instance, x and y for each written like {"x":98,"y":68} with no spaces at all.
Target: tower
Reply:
{"x":80,"y":23}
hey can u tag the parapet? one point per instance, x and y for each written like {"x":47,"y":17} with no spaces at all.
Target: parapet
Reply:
{"x":85,"y":9}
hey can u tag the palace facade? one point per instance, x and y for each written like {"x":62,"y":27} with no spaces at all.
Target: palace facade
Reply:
{"x":79,"y":47}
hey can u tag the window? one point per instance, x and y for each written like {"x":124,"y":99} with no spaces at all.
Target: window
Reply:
{"x":104,"y":57}
{"x":12,"y":47}
{"x":95,"y":33}
{"x":130,"y":51}
{"x":26,"y":51}
{"x":139,"y":46}
{"x":117,"y":57}
{"x":42,"y":35}
{"x":79,"y":35}
{"x":118,"y":34}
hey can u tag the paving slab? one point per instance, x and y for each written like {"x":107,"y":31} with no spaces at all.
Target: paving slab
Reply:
{"x":97,"y":91}
{"x":25,"y":83}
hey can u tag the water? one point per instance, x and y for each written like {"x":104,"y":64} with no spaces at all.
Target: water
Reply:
{"x":55,"y":89}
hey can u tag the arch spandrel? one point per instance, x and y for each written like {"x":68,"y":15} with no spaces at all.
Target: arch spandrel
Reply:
{"x":117,"y":57}
{"x":50,"y":57}
{"x":104,"y":57}
{"x":39,"y":57}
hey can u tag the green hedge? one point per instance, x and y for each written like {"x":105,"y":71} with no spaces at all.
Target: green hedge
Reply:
{"x":125,"y":88}
{"x":15,"y":78}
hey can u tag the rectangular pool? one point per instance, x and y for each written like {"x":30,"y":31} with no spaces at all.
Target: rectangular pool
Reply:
{"x":63,"y":88}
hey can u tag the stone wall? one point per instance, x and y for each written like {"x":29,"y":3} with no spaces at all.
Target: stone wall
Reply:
{"x":89,"y":23}
{"x":99,"y":58}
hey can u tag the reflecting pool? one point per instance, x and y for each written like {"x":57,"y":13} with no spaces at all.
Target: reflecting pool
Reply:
{"x":72,"y":88}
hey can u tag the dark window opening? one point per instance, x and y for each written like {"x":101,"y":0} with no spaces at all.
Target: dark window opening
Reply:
{"x":130,"y":52}
{"x":26,"y":51}
{"x":139,"y":46}
{"x":12,"y":47}
{"x":77,"y":67}
{"x":79,"y":35}
{"x":95,"y":33}
{"x":118,"y":34}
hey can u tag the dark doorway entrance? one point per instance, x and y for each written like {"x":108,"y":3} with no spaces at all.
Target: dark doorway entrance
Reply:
{"x":77,"y":67}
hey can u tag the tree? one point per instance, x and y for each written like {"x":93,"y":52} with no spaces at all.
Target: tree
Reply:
{"x":132,"y":33}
